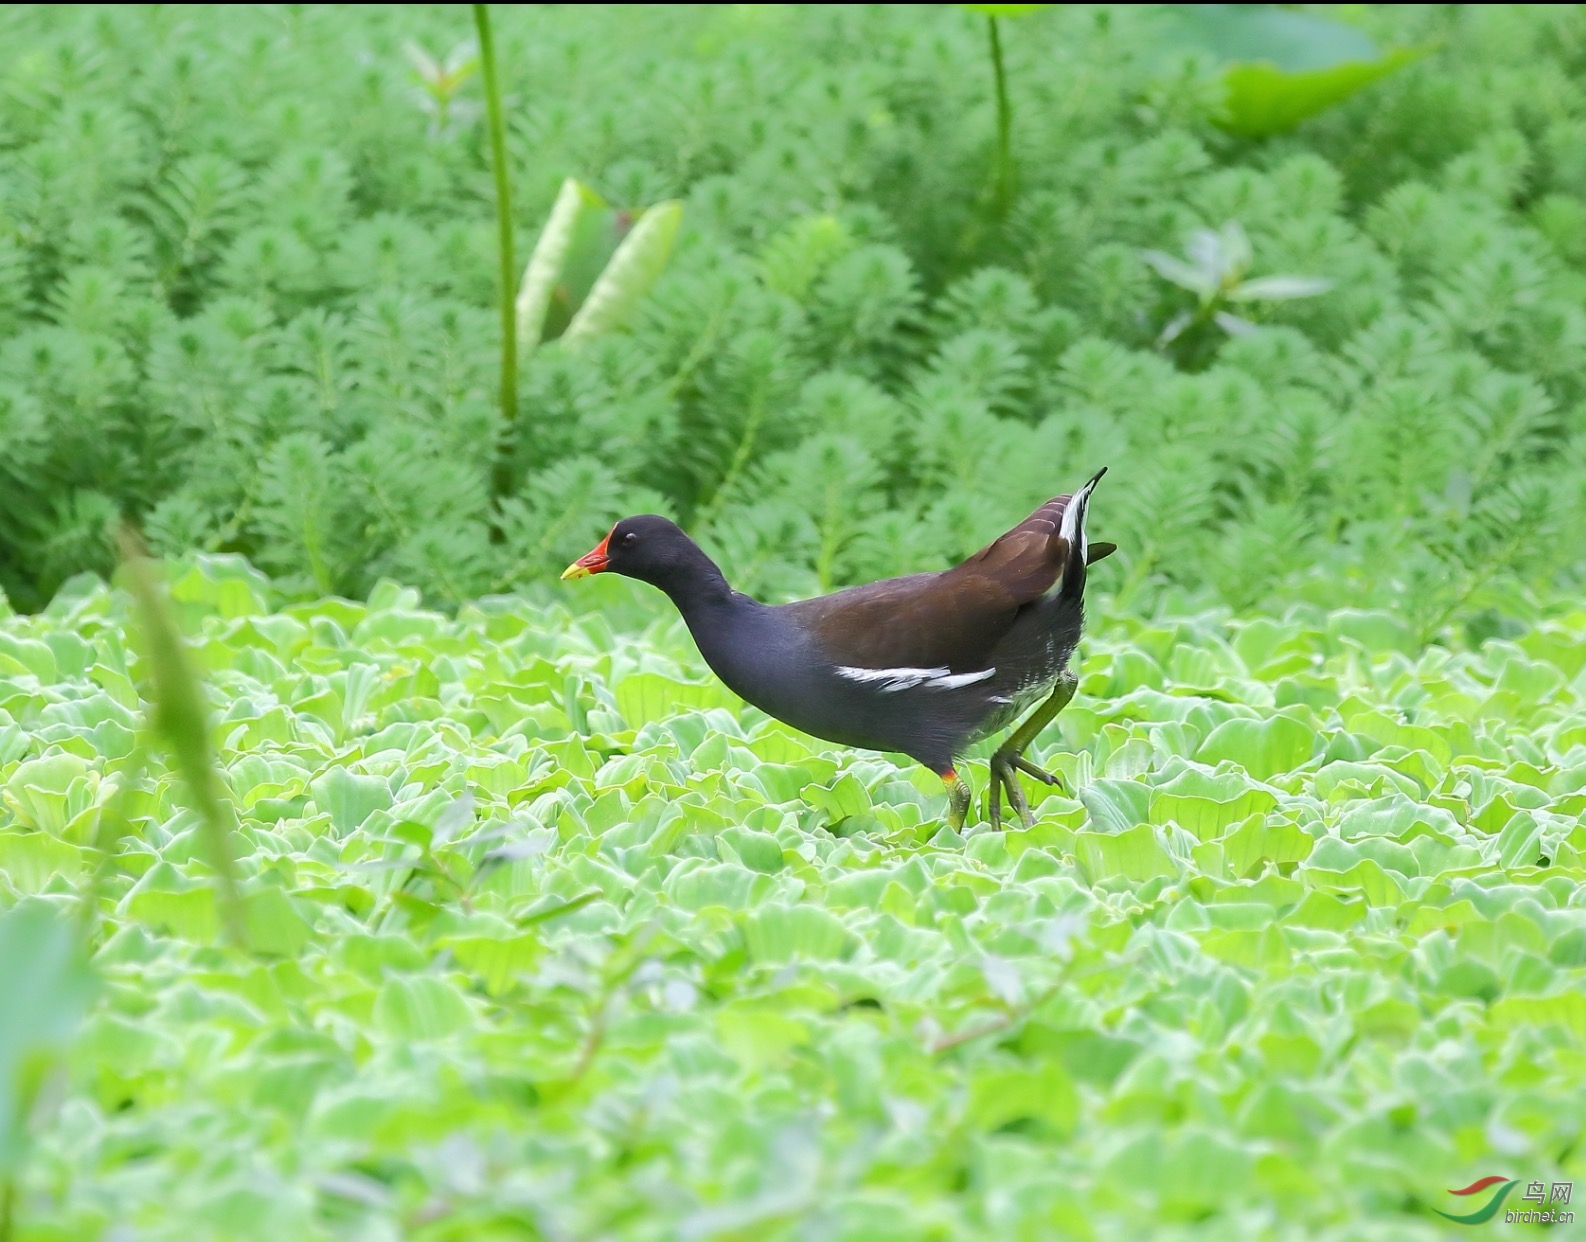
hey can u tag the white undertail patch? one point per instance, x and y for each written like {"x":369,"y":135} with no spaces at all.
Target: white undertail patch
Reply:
{"x":891,"y":680}
{"x":1074,"y":518}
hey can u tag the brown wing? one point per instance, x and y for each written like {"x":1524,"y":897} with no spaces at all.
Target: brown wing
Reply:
{"x":945,"y":620}
{"x":1027,"y":560}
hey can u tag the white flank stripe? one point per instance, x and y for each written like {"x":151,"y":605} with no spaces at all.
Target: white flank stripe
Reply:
{"x":895,"y":679}
{"x":953,"y":681}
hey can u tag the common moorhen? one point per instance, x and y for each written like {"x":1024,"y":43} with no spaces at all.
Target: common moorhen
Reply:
{"x":923,"y":664}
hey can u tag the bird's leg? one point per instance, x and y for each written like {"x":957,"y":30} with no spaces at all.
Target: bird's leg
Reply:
{"x":957,"y":798}
{"x":1010,"y":755}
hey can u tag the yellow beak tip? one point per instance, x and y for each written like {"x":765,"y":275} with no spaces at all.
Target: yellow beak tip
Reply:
{"x":574,"y":571}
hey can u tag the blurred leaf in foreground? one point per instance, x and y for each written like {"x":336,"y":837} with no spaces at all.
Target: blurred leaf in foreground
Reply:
{"x":45,"y":988}
{"x":181,"y":720}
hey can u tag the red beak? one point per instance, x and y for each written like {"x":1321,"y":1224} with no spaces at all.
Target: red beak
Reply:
{"x":592,"y":562}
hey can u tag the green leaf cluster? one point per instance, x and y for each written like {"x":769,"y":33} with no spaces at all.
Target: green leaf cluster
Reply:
{"x":548,"y":936}
{"x":246,"y":280}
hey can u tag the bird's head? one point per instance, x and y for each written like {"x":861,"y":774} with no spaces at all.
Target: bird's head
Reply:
{"x":647,"y":547}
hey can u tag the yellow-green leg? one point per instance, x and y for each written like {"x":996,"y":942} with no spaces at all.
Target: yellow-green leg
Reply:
{"x":1009,"y":757}
{"x":957,"y":798}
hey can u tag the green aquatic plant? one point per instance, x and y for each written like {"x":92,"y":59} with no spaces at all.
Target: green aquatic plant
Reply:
{"x":524,"y":886}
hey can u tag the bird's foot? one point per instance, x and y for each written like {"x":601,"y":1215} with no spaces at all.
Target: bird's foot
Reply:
{"x":1004,"y":765}
{"x":1009,"y":757}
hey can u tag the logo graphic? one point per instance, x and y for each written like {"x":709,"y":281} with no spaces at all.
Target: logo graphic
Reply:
{"x":1483,"y":1214}
{"x":1557,"y":1195}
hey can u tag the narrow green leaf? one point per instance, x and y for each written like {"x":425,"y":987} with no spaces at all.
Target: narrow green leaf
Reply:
{"x":180,"y":718}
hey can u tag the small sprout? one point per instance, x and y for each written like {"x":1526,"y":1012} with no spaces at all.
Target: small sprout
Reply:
{"x":1213,"y":269}
{"x":440,"y":80}
{"x":1216,"y":262}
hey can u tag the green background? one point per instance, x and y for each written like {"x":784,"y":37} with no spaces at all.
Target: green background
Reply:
{"x":550,"y":937}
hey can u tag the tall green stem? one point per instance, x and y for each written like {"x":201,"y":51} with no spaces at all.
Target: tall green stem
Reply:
{"x":1004,"y":178}
{"x":502,"y":480}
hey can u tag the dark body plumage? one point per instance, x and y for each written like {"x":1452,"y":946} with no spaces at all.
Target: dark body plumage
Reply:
{"x":923,"y":664}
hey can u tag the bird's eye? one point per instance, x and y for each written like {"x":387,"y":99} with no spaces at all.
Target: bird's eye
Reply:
{"x":630,"y":538}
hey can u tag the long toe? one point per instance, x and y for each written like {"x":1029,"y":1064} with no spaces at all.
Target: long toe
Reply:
{"x":1025,"y":816}
{"x":1002,"y":778}
{"x":1016,"y":798}
{"x":1040,"y":774}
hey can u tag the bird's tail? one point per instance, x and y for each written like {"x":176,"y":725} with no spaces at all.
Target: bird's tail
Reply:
{"x":1073,"y":531}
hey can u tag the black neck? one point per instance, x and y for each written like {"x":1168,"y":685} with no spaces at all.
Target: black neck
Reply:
{"x":718,"y":618}
{"x":698,"y":587}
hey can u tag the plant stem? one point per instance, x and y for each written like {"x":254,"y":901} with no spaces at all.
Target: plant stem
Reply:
{"x":1003,"y":189}
{"x":501,"y":483}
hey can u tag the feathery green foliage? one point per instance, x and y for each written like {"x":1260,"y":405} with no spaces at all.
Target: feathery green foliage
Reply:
{"x":247,"y":273}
